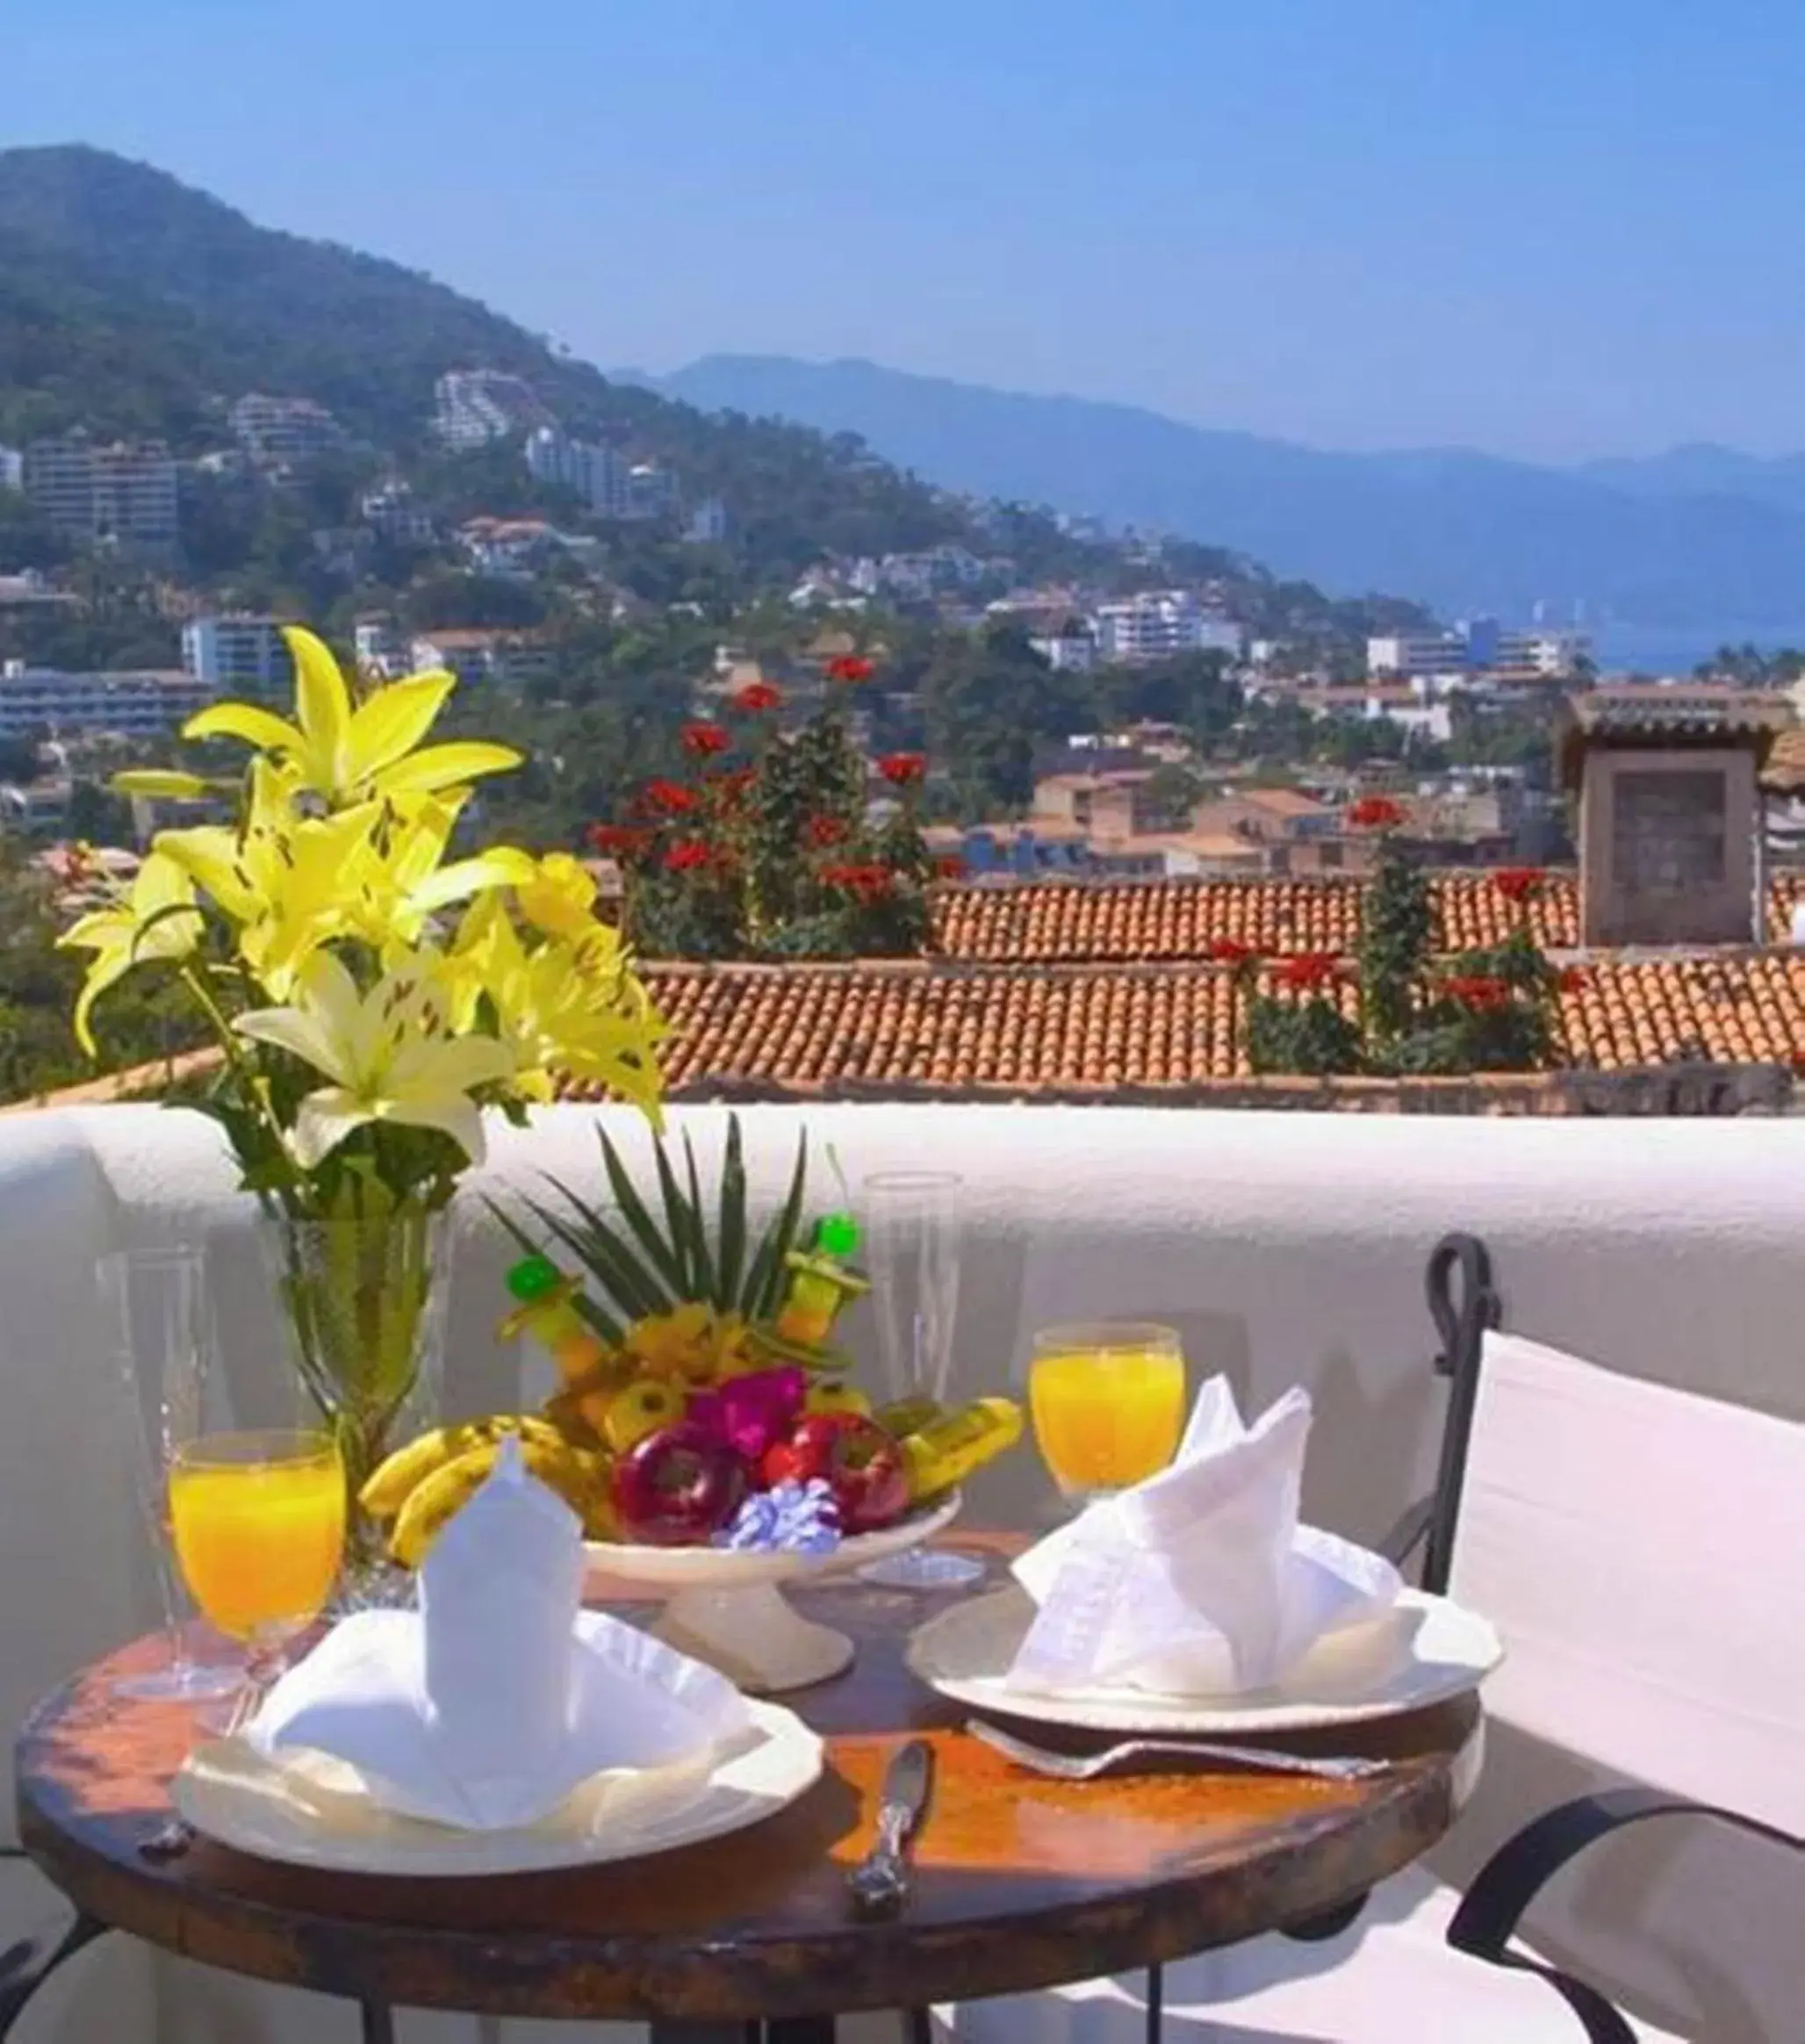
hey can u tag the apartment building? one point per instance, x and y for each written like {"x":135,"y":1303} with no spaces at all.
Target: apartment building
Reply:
{"x":294,"y":430}
{"x":708,"y":523}
{"x":238,"y":655}
{"x":1159,"y":624}
{"x":1479,"y":645}
{"x":122,"y":496}
{"x":12,"y":469}
{"x":476,"y":405}
{"x":392,"y":513}
{"x":134,"y":704}
{"x":477,"y":654}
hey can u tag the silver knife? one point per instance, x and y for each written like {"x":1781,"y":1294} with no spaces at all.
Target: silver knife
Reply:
{"x":879,"y":1882}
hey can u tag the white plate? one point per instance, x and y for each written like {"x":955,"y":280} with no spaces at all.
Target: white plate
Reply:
{"x":629,"y":1565}
{"x":313,"y":1811}
{"x":1425,"y":1651}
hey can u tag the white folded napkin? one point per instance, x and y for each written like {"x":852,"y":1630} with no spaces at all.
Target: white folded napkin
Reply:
{"x":488,"y":1706}
{"x":1199,"y":1581}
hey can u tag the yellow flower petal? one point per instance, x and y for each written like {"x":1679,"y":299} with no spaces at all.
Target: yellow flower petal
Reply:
{"x":260,"y":728}
{"x":446,"y":766}
{"x":159,"y":783}
{"x":393,"y":721}
{"x":322,"y":705}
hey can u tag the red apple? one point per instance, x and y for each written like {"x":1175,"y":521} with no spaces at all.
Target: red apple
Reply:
{"x":677,"y":1486}
{"x":861,"y":1464}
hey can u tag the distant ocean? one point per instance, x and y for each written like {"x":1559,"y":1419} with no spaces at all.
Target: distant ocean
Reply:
{"x":1655,"y":650}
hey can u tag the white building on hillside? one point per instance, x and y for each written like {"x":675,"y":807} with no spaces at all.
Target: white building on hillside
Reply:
{"x":139,"y":703}
{"x":12,"y":469}
{"x":122,"y":496}
{"x":477,"y":406}
{"x":1157,"y":625}
{"x":285,"y":429}
{"x":238,"y":655}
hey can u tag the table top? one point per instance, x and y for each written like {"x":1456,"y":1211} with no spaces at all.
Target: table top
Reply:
{"x":1021,"y":1882}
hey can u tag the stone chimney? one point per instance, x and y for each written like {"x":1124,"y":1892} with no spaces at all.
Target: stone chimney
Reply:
{"x":1670,"y":810}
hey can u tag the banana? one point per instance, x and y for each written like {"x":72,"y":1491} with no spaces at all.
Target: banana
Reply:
{"x":576,"y":1477}
{"x":394,"y":1481}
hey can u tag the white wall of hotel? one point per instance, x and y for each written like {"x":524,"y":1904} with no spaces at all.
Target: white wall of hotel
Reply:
{"x":1286,"y":1248}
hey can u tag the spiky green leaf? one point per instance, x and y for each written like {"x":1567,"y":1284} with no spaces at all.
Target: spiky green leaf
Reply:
{"x":702,"y":1263}
{"x":731,"y":1231}
{"x":662,"y":1254}
{"x":766,"y":1280}
{"x":684,"y":1225}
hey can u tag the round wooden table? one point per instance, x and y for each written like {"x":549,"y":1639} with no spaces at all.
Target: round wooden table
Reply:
{"x":1020,"y":1882}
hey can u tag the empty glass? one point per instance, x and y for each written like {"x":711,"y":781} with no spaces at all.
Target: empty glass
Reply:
{"x":153,"y":1308}
{"x":913,"y":1223}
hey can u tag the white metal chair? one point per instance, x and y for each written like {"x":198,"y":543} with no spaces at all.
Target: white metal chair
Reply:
{"x":1642,"y":1550}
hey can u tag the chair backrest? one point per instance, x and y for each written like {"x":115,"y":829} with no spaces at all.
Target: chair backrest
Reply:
{"x":1642,"y":1551}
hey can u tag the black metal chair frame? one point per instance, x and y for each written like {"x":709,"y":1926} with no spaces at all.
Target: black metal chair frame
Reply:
{"x":1489,"y":1914}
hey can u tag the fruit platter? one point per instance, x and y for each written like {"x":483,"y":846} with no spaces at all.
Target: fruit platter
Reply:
{"x":707,"y":1425}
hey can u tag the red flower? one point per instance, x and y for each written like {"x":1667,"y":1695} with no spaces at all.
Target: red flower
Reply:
{"x":1519,"y":884}
{"x":1231,"y":952}
{"x":1308,"y":971}
{"x":851,"y":667}
{"x":902,"y":769}
{"x":689,"y":857}
{"x":950,"y":866}
{"x":1483,"y":992}
{"x":702,"y":741}
{"x":821,"y":831}
{"x":669,"y":798}
{"x":616,"y":840}
{"x":757,"y":696}
{"x":1572,"y":979}
{"x":869,"y":882}
{"x":1375,"y":812}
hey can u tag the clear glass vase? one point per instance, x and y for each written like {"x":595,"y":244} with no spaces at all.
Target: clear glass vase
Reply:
{"x":363,"y":1305}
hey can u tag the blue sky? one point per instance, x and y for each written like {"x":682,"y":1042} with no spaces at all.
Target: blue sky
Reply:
{"x":1545,"y":228}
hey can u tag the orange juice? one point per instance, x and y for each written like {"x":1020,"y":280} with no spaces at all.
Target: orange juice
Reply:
{"x":1106,"y":1417}
{"x":258,"y":1537}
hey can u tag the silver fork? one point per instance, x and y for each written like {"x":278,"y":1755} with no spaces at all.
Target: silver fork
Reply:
{"x":1087,"y":1767}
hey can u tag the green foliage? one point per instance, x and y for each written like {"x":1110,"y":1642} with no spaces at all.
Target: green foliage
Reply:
{"x":1312,"y":1037}
{"x":1396,"y":928}
{"x":648,"y":1260}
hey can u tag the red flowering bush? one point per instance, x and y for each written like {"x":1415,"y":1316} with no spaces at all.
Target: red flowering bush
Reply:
{"x":1519,"y":884}
{"x":1375,"y":812}
{"x":617,"y":840}
{"x":851,"y":667}
{"x":949,"y":865}
{"x":1230,"y":950}
{"x":776,"y":856}
{"x":703,"y":741}
{"x":1308,"y":971}
{"x":1572,"y":979}
{"x":667,"y":798}
{"x":1483,"y":992}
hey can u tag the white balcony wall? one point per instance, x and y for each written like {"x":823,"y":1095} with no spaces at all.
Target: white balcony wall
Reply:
{"x":1286,"y":1248}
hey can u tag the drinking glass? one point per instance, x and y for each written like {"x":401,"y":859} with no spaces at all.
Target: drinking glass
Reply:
{"x":912,"y":1239}
{"x":1107,"y":1402}
{"x":256,"y":1491}
{"x":154,"y":1309}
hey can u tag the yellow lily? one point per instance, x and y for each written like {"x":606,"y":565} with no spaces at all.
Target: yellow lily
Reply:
{"x":348,"y":753}
{"x":563,"y":1009}
{"x":282,"y":877}
{"x":385,"y":1052}
{"x":558,"y":898}
{"x":156,"y":919}
{"x":397,"y":882}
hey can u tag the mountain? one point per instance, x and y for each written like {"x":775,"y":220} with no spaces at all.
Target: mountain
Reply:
{"x":1698,"y":537}
{"x":133,"y":305}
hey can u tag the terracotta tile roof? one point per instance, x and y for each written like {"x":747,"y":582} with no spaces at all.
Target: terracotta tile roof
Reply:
{"x":1033,"y":1029}
{"x":1180,"y":919}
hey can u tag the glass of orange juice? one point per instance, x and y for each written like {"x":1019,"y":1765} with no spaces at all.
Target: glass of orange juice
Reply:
{"x":1107,"y":1402}
{"x":257,"y":1489}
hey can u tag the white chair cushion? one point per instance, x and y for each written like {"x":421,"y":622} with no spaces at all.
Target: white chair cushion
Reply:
{"x":1390,"y":1978}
